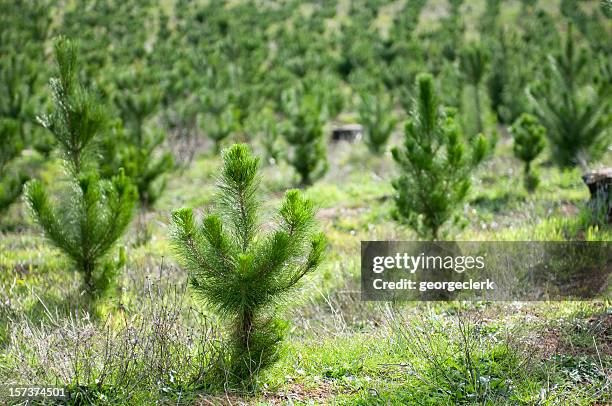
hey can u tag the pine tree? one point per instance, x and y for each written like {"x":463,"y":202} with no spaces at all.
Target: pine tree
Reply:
{"x":219,"y":116}
{"x":508,"y":76}
{"x":218,"y":126}
{"x":19,"y":82}
{"x":270,"y":131}
{"x":489,"y":20}
{"x":136,"y":146}
{"x":375,"y":114}
{"x":435,"y":164}
{"x":305,"y":135}
{"x":529,"y":142}
{"x":473,"y":62}
{"x":577,"y":119}
{"x":92,"y":213}
{"x":241,"y":273}
{"x":11,"y":180}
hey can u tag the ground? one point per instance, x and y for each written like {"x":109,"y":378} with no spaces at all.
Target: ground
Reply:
{"x":340,"y":350}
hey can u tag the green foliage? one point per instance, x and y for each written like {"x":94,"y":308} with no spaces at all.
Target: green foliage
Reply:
{"x":219,"y":117}
{"x":473,"y":62}
{"x":606,"y":8}
{"x":592,"y":25}
{"x":510,"y":71}
{"x":435,"y":164}
{"x":452,"y":30}
{"x":270,"y":131}
{"x":92,"y":214}
{"x":577,"y":118}
{"x":136,"y":146}
{"x":11,"y":181}
{"x":529,"y":142}
{"x":489,"y":19}
{"x":376,"y":116}
{"x":218,"y":127}
{"x":18,"y":81}
{"x":463,"y":362}
{"x":242,"y":274}
{"x":305,"y":135}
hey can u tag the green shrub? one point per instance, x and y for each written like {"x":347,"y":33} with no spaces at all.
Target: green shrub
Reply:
{"x":92,"y":214}
{"x":218,"y":119}
{"x":305,"y":135}
{"x":507,"y":79}
{"x":577,"y":119}
{"x":270,"y":131}
{"x":11,"y":181}
{"x":375,"y":114}
{"x":136,"y":145}
{"x":239,"y":272}
{"x":529,"y":142}
{"x":473,"y":62}
{"x":434,"y":164}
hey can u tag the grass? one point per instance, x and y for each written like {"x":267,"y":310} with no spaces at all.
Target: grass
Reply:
{"x":155,"y":343}
{"x":340,"y":350}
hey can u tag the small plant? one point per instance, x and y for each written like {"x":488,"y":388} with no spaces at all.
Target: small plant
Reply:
{"x":460,"y":359}
{"x":19,"y":77}
{"x":271,"y":130}
{"x":375,"y":114}
{"x":93,"y":213}
{"x":242,"y":274}
{"x":220,"y":116}
{"x":507,"y":78}
{"x":136,"y":146}
{"x":577,"y":122}
{"x":528,"y":136}
{"x":218,"y":127}
{"x":11,"y":181}
{"x":309,"y":155}
{"x":473,"y":62}
{"x":434,"y":165}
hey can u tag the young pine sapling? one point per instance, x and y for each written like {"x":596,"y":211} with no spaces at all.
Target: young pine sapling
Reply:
{"x":219,"y":114}
{"x":218,"y":126}
{"x":528,"y":136}
{"x":11,"y":181}
{"x":376,"y":116}
{"x":305,"y":135}
{"x":93,"y":213}
{"x":577,"y":119}
{"x":136,"y":146}
{"x":435,"y":164}
{"x":242,"y":273}
{"x":270,"y":131}
{"x":473,"y":62}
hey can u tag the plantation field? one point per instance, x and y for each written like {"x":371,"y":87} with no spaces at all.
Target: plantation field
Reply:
{"x":180,"y":84}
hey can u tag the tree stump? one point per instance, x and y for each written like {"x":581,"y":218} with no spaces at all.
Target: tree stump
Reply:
{"x":599,"y":183}
{"x":348,"y":132}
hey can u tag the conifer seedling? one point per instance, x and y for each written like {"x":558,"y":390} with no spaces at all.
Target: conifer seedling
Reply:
{"x":435,"y":164}
{"x":136,"y":146}
{"x":376,"y":116}
{"x":11,"y":181}
{"x":577,"y":121}
{"x":305,"y":136}
{"x":242,"y":273}
{"x":473,"y":62}
{"x":528,"y":136}
{"x":92,"y":214}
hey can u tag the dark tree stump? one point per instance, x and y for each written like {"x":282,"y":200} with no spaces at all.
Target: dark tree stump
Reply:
{"x":599,"y":183}
{"x":349,"y":132}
